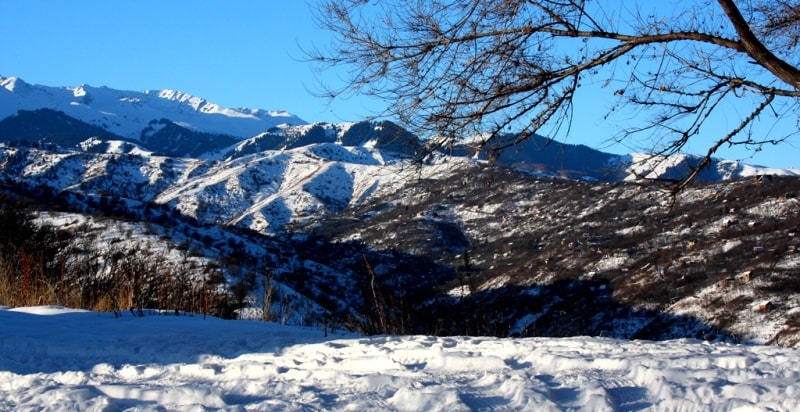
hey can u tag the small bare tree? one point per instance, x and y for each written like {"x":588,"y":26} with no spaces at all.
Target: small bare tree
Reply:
{"x":452,"y":68}
{"x":267,"y":315}
{"x":285,"y":311}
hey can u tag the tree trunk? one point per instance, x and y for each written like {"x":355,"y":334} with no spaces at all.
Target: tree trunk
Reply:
{"x":756,"y":49}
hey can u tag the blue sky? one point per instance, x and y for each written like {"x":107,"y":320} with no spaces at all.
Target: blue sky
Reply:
{"x":243,"y":53}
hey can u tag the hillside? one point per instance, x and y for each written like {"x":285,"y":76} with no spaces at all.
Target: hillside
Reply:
{"x":553,"y":257}
{"x":510,"y":253}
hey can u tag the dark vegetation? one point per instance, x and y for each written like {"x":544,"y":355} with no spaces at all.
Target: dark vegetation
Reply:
{"x":553,"y":257}
{"x":50,"y":125}
{"x":45,"y":265}
{"x":175,"y":140}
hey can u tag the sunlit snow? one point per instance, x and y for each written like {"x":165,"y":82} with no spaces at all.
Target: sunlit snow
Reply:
{"x":57,"y":359}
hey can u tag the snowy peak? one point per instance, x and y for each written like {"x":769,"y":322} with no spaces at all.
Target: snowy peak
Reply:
{"x":8,"y":83}
{"x":127,"y":113}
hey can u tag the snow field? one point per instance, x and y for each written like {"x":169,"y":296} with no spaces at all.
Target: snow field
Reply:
{"x":56,"y":359}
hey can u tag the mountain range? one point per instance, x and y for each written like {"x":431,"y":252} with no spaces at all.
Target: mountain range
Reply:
{"x":172,"y":123}
{"x":361,"y":222}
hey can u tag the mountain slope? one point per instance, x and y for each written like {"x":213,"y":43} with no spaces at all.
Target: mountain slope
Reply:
{"x":510,"y":253}
{"x":390,"y":138}
{"x":263,"y":191}
{"x":553,"y":257}
{"x":50,"y":126}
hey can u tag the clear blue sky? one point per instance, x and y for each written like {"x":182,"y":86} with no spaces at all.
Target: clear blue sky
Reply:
{"x":243,"y":53}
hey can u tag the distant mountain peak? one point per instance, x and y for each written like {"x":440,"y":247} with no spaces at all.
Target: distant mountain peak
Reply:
{"x":14,"y":84}
{"x":8,"y":83}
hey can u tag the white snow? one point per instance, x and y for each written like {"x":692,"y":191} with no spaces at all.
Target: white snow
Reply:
{"x":63,"y":360}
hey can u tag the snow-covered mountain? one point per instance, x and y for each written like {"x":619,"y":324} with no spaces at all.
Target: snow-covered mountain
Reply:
{"x":127,"y":114}
{"x":360,"y":220}
{"x":173,"y":123}
{"x":678,"y":166}
{"x":263,"y":191}
{"x":546,"y":256}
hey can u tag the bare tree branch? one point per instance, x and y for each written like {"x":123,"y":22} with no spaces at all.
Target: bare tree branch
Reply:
{"x":757,"y":50}
{"x":457,"y":68}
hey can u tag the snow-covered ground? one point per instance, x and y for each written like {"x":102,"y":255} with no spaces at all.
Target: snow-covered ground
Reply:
{"x":58,"y":359}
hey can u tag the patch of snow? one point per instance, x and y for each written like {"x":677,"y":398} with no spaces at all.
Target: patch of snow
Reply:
{"x":730,"y":245}
{"x":460,"y":291}
{"x":775,"y":208}
{"x":630,"y":230}
{"x":46,"y":310}
{"x":609,"y":263}
{"x":496,"y":283}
